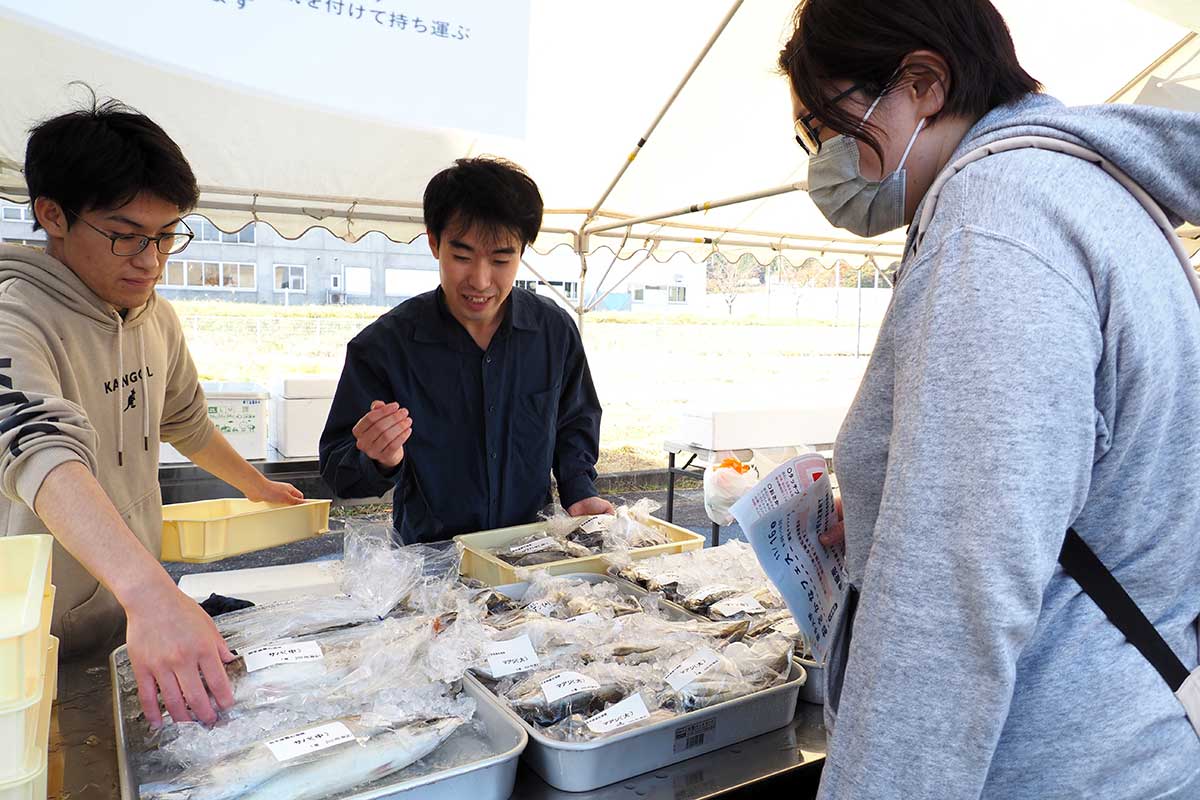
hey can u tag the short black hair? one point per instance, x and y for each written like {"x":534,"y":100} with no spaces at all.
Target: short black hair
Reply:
{"x":104,"y":156}
{"x":865,"y":41}
{"x":492,"y":193}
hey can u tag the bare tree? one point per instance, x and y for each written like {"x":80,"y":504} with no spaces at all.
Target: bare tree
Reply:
{"x":726,"y":277}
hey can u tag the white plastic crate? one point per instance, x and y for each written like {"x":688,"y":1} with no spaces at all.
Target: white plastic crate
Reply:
{"x":26,"y":603}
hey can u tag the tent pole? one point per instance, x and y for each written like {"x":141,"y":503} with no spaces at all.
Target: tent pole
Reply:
{"x":728,"y":201}
{"x":553,"y":288}
{"x":628,"y":275}
{"x":645,"y":137}
{"x":776,"y":246}
{"x":1148,"y":71}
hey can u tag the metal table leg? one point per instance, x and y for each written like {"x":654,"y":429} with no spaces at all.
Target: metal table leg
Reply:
{"x":671,"y":487}
{"x":716,"y":530}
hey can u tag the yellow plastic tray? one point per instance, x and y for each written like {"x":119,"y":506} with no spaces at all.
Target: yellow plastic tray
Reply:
{"x":210,"y":530}
{"x":25,"y":726}
{"x":479,"y":563}
{"x":26,"y":603}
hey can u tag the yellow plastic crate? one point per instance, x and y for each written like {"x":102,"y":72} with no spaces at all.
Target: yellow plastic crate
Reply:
{"x":25,"y":725}
{"x":210,"y":530}
{"x":26,"y":603}
{"x":479,"y":563}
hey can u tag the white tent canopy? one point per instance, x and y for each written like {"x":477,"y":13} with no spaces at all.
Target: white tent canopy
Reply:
{"x":599,"y":74}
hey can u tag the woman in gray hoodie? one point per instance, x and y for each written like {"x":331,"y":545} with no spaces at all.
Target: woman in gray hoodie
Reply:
{"x":1036,"y":371}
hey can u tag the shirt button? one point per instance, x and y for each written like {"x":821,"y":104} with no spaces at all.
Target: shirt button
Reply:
{"x":493,"y":455}
{"x":491,"y":409}
{"x":488,"y":360}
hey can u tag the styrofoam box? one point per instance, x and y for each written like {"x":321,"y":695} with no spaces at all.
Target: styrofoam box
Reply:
{"x":734,"y":429}
{"x":299,"y":408}
{"x":239,"y":410}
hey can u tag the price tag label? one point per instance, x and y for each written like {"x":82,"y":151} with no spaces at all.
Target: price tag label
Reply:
{"x":544,"y":607}
{"x":512,"y":655}
{"x":688,"y":737}
{"x":743,"y":603}
{"x":536,"y":546}
{"x":596,"y":524}
{"x":630,"y":710}
{"x":692,"y":668}
{"x":565,"y":684}
{"x":666,"y":578}
{"x":587,"y":619}
{"x":269,"y":655}
{"x":294,"y":745}
{"x":787,"y":627}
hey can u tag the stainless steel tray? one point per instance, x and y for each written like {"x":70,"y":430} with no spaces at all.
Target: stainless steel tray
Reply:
{"x":489,"y":778}
{"x":583,"y":766}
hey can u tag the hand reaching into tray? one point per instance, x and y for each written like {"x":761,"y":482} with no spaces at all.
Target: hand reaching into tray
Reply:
{"x":382,"y":433}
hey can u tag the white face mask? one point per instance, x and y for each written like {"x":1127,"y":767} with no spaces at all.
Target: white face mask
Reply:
{"x":846,"y":198}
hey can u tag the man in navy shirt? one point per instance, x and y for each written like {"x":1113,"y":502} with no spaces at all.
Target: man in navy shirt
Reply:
{"x":467,"y":397}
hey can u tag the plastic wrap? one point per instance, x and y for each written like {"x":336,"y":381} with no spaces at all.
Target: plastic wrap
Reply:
{"x":357,"y":749}
{"x":563,"y":537}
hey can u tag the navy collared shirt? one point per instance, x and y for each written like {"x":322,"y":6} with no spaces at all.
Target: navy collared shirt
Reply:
{"x":488,"y":426}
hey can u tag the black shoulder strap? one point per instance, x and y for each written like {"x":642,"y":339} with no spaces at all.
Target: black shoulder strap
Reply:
{"x":1098,"y":583}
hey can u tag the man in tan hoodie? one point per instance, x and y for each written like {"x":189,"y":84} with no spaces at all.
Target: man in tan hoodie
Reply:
{"x":94,"y":373}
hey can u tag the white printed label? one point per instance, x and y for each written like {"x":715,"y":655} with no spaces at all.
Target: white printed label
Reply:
{"x":272,"y":654}
{"x":630,"y":710}
{"x":707,"y":591}
{"x":694,"y":735}
{"x":737,"y":605}
{"x":692,"y":668}
{"x":512,"y":655}
{"x":544,"y":607}
{"x":588,"y":618}
{"x":596,"y":524}
{"x":294,"y":745}
{"x":666,"y":578}
{"x":787,"y":627}
{"x":536,"y":546}
{"x":565,"y":684}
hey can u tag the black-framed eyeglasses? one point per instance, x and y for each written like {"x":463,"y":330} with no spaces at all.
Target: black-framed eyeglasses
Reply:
{"x":130,"y":244}
{"x":806,"y":136}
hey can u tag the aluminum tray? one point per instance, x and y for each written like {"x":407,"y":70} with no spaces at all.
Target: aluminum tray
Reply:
{"x":583,"y":766}
{"x":490,"y":778}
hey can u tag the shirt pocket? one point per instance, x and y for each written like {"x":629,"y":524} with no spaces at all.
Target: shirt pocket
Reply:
{"x":536,"y":425}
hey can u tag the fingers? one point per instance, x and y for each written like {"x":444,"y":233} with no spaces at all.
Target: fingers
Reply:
{"x":194,"y":693}
{"x":172,"y":697}
{"x":216,"y":678}
{"x":836,"y":535}
{"x":384,"y":438}
{"x":394,"y":452}
{"x":379,"y":411}
{"x":148,"y":695}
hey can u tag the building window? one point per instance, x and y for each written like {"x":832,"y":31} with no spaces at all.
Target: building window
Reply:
{"x":529,"y":285}
{"x":639,"y":294}
{"x":209,"y":275}
{"x":18,"y":214}
{"x":571,"y":290}
{"x":358,"y":281}
{"x":26,"y":242}
{"x":207,"y":232}
{"x":677,"y":294}
{"x":290,"y":278}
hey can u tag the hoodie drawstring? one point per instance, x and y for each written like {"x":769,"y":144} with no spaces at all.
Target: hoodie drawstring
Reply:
{"x":142,"y":362}
{"x":120,"y":393}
